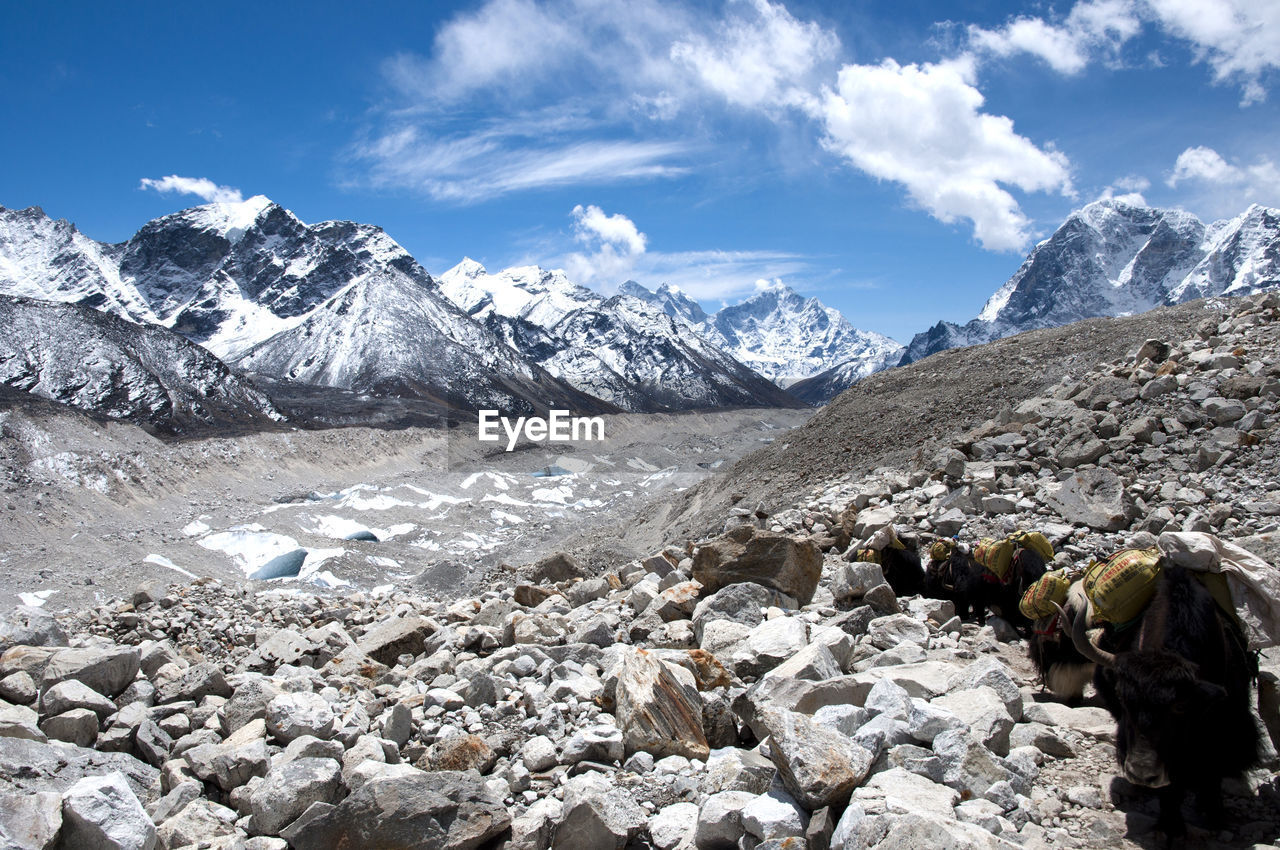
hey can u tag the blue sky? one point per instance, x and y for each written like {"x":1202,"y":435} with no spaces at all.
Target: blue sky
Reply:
{"x":895,"y":159}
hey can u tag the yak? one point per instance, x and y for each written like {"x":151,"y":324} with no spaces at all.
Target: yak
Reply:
{"x":1061,"y":667}
{"x":902,"y":570}
{"x":972,"y":587}
{"x":959,"y":578}
{"x":1177,"y":683}
{"x":1003,"y":597}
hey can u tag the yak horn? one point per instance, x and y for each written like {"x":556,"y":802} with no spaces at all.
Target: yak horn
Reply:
{"x":1080,"y":637}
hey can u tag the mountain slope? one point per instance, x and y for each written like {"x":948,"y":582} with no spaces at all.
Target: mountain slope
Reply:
{"x":624,"y":350}
{"x":788,"y":338}
{"x":101,"y":363}
{"x":390,"y":335}
{"x":1113,"y":258}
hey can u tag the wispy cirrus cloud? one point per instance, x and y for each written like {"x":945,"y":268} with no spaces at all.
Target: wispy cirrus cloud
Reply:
{"x":643,"y":87}
{"x":201,"y":187}
{"x":483,"y":166}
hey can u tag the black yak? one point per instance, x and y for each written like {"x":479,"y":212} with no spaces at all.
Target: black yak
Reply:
{"x":959,"y":578}
{"x":1062,"y":669}
{"x":902,"y":569}
{"x":1177,"y":683}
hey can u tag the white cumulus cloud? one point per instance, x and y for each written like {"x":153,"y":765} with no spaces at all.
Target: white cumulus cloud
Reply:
{"x":1238,"y":39}
{"x":763,"y":59}
{"x":1226,"y":188}
{"x":923,"y":126}
{"x":201,"y":187}
{"x":614,"y":244}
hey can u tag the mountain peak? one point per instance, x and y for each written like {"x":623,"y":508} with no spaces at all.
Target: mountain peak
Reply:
{"x":468,"y":268}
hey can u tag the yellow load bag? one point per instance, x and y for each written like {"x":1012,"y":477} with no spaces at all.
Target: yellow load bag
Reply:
{"x":940,"y":550}
{"x":868,"y":556}
{"x":995,"y":555}
{"x":1036,"y":542}
{"x":1040,"y":597}
{"x":1121,"y":586}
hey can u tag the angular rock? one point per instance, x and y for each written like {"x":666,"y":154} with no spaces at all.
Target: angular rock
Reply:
{"x":887,"y":632}
{"x":742,"y":602}
{"x":773,"y":560}
{"x":30,"y":821}
{"x":78,"y":726}
{"x":985,"y":714}
{"x":658,"y":708}
{"x":286,"y":792}
{"x":195,"y":683}
{"x":107,"y":671}
{"x":1092,"y":497}
{"x":539,"y":754}
{"x":103,"y":813}
{"x":200,"y":821}
{"x":734,"y":769}
{"x":20,"y":722}
{"x":397,"y":636}
{"x":819,"y":767}
{"x":774,"y":814}
{"x":853,"y":580}
{"x":768,"y":645}
{"x":292,"y":715}
{"x":669,"y":827}
{"x":720,"y":820}
{"x":27,"y":625}
{"x":968,"y":766}
{"x":70,"y":694}
{"x":597,"y":815}
{"x":556,"y":568}
{"x":459,"y":753}
{"x":443,"y":809}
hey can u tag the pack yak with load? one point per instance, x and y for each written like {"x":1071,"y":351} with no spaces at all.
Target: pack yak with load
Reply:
{"x":1175,"y":675}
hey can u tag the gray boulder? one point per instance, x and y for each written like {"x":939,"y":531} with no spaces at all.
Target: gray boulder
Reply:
{"x":445,"y":809}
{"x":103,"y":813}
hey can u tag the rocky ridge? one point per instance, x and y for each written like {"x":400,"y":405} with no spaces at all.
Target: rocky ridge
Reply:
{"x":100,"y":363}
{"x":753,"y":690}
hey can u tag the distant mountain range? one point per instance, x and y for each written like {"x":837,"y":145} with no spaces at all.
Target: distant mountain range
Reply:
{"x":339,"y":304}
{"x":1113,"y":258}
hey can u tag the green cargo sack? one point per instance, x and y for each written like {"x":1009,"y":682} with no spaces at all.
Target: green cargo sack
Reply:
{"x":1040,"y":597}
{"x":1121,"y":586}
{"x":868,"y":556}
{"x":995,"y":555}
{"x":940,"y":550}
{"x":1036,"y":542}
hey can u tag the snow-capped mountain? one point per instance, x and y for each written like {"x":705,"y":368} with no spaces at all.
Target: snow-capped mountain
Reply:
{"x":98,"y":362}
{"x":787,"y":337}
{"x":670,"y":298}
{"x":390,"y":334}
{"x":622,"y":349}
{"x":335,"y":303}
{"x":1113,"y":258}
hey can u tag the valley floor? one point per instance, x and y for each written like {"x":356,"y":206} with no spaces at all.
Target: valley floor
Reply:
{"x":90,"y":510}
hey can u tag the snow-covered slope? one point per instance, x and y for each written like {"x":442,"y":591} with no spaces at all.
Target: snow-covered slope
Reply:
{"x":787,"y":337}
{"x":101,"y":363}
{"x":389,"y":334}
{"x":1112,"y":258}
{"x":622,"y":349}
{"x":336,"y":303}
{"x":670,"y":298}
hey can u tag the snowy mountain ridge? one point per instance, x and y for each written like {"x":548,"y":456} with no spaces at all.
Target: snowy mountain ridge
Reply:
{"x":1113,"y":258}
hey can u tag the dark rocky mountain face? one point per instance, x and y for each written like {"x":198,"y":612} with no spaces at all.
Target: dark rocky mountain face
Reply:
{"x":100,"y":363}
